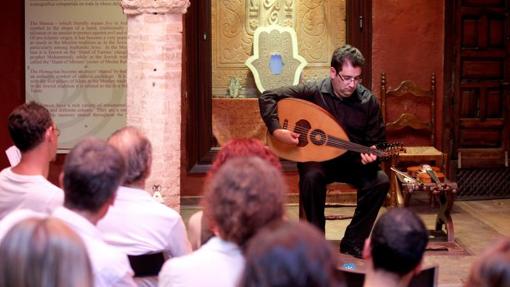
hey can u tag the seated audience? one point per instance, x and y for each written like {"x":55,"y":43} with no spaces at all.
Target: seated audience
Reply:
{"x":242,"y":197}
{"x":492,"y":269}
{"x":148,"y":231}
{"x":44,"y":252}
{"x":395,"y":248}
{"x":25,"y":185}
{"x":198,"y":230}
{"x":290,"y":254}
{"x":92,"y":173}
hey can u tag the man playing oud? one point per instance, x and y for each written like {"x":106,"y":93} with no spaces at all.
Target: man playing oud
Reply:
{"x":358,"y":112}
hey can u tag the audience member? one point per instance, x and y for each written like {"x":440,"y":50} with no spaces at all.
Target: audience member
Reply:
{"x":198,"y":230}
{"x":242,"y":197}
{"x":492,"y":269}
{"x":92,"y":173}
{"x":290,"y":254}
{"x":243,"y":147}
{"x":146,"y":230}
{"x":25,"y":185}
{"x":44,"y":252}
{"x":395,"y":248}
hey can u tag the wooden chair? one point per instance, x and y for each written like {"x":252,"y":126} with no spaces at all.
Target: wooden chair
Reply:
{"x":409,"y":113}
{"x":339,"y":194}
{"x":147,"y":264}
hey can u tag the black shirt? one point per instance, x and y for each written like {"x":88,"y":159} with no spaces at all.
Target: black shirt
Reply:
{"x":359,"y":115}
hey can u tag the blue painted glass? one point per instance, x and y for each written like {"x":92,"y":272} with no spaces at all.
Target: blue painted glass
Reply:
{"x":276,"y":64}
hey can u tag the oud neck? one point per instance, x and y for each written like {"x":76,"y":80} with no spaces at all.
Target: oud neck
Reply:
{"x":343,"y":144}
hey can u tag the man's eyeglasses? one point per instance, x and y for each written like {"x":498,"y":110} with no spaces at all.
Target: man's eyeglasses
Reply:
{"x":348,"y":79}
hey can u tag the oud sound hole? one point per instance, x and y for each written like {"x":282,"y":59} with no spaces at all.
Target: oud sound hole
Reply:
{"x":318,"y":137}
{"x":302,"y":128}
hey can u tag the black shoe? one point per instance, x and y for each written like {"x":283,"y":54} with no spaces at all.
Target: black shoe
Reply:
{"x":350,"y":249}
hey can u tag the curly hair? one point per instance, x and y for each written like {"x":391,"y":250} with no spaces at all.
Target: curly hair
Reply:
{"x":243,"y":196}
{"x":243,"y":147}
{"x":27,"y":124}
{"x":290,"y":253}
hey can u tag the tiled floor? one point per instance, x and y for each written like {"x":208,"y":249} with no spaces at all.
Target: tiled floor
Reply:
{"x":478,"y":224}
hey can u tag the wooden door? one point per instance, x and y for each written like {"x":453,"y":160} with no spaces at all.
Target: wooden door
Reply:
{"x":359,"y":33}
{"x":480,"y":82}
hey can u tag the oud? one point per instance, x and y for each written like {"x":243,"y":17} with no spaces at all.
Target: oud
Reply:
{"x":321,"y":138}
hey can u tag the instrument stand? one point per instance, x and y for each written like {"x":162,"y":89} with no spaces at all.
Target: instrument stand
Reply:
{"x":442,"y":237}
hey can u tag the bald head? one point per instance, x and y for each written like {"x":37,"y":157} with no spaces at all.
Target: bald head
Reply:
{"x":136,"y":150}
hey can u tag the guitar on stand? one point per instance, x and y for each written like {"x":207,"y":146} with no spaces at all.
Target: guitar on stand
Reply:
{"x":321,"y":138}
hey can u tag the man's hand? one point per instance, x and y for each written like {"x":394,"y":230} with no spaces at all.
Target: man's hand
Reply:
{"x":368,"y":157}
{"x":286,"y":136}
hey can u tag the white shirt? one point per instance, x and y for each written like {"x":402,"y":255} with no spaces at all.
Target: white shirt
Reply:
{"x":15,"y":217}
{"x":138,"y":224}
{"x":110,"y":266}
{"x":217,"y":263}
{"x":32,"y":192}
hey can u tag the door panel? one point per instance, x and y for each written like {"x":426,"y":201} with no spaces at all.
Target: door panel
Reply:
{"x":480,"y":76}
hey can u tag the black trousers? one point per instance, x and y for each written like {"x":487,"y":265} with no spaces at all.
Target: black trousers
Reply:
{"x":372,"y":186}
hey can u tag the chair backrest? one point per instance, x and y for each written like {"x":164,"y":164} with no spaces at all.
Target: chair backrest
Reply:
{"x":409,"y":108}
{"x":426,"y":278}
{"x":147,"y":264}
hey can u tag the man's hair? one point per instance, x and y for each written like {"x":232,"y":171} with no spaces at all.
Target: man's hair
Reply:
{"x":398,"y":241}
{"x":347,"y":53}
{"x":44,"y":252}
{"x":27,"y":125}
{"x":136,"y":150}
{"x":288,"y":253}
{"x":243,"y":196}
{"x":93,"y":171}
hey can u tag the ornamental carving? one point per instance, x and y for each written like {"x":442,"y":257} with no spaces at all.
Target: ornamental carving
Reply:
{"x":133,"y":7}
{"x":320,"y":27}
{"x":260,"y":13}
